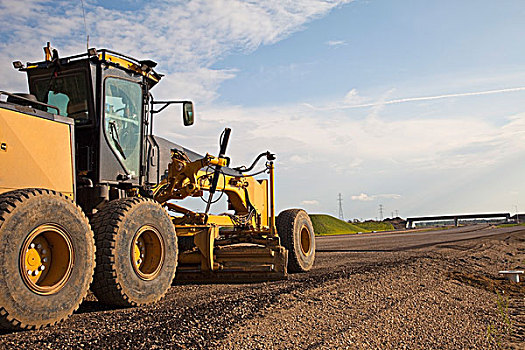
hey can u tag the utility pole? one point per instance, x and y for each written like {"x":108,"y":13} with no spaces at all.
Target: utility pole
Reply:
{"x":380,"y":212}
{"x":517,"y":215}
{"x":397,"y":213}
{"x":340,"y":200}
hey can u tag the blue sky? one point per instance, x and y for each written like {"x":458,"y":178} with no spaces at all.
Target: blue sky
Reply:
{"x":289,"y":76}
{"x":380,"y":44}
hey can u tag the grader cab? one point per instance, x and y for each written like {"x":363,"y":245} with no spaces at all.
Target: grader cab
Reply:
{"x":91,"y":198}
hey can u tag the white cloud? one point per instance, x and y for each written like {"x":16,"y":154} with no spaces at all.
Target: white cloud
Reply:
{"x":352,"y":98}
{"x":366,"y":198}
{"x":185,"y":38}
{"x":299,"y":136}
{"x":362,"y":197}
{"x":389,"y":196}
{"x":310,"y":202}
{"x":335,"y":43}
{"x":300,"y":158}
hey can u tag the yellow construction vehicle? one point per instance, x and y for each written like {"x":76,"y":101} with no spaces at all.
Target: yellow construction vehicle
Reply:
{"x":90,"y":198}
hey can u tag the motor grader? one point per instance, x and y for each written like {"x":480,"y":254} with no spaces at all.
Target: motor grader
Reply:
{"x":91,"y":198}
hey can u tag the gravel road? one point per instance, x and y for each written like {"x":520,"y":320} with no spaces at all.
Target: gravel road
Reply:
{"x":414,"y":290}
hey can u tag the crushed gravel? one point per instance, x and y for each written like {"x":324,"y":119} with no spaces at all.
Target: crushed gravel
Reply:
{"x":440,"y":296}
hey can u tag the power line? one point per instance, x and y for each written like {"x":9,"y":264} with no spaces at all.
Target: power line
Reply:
{"x":340,"y":200}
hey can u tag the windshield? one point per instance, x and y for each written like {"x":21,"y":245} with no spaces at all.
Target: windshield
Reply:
{"x":122,"y":121}
{"x":67,"y":92}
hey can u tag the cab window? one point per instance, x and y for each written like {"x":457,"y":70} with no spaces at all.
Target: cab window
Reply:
{"x":68,"y":92}
{"x":122,"y":120}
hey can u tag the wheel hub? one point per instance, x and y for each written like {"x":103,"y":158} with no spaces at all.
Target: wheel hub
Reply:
{"x":46,"y":259}
{"x":305,"y":240}
{"x":147,"y":252}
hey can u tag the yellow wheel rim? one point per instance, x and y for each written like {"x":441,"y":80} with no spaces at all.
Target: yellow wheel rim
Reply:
{"x":305,"y":240}
{"x":147,"y":252}
{"x":46,"y":259}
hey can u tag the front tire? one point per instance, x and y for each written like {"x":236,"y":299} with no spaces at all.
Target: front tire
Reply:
{"x":297,"y":235}
{"x":136,"y":252}
{"x":47,"y":258}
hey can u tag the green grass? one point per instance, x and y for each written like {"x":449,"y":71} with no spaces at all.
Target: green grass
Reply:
{"x":376,"y":226}
{"x":510,"y":225}
{"x":328,"y":225}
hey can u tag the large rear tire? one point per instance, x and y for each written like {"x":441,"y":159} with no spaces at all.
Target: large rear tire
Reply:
{"x":47,"y":258}
{"x":297,"y":235}
{"x":136,"y":252}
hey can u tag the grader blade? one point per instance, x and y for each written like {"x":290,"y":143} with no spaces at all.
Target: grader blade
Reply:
{"x":236,"y":263}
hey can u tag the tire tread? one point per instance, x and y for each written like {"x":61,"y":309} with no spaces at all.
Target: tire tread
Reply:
{"x":106,"y":223}
{"x":285,"y":223}
{"x":9,"y":201}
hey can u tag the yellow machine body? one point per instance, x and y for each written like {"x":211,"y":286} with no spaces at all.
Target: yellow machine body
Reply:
{"x":252,"y":247}
{"x":240,"y":190}
{"x":35,"y":152}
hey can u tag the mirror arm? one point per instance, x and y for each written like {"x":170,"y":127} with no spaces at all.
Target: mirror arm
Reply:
{"x":166,"y":104}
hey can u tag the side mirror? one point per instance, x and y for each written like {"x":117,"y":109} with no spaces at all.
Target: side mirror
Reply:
{"x":187,"y":113}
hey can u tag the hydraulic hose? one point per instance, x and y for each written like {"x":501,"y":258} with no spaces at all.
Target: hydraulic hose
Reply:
{"x":268,"y":155}
{"x":222,"y":152}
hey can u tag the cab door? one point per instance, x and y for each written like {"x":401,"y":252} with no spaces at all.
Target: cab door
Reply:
{"x":122,"y":130}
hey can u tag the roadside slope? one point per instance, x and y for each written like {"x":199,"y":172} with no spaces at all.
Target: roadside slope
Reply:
{"x":328,"y":225}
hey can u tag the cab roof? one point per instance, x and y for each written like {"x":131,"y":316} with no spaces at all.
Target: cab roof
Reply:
{"x":109,"y":57}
